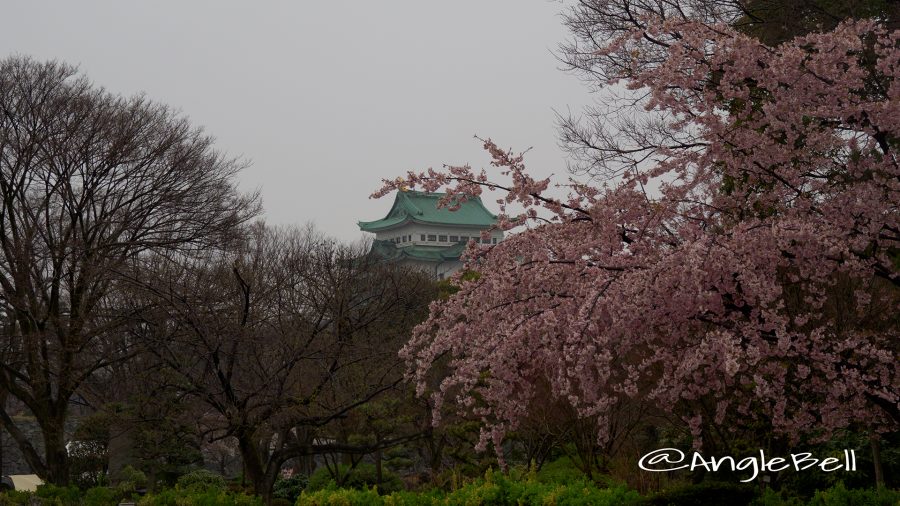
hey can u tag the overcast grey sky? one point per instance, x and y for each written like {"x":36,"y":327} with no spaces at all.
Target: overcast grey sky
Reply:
{"x":326,"y":98}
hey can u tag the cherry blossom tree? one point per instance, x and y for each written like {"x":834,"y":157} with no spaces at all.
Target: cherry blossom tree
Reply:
{"x":747,"y":265}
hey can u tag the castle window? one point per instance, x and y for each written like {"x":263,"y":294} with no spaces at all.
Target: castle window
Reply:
{"x":422,"y":237}
{"x":432,"y":238}
{"x":442,"y":238}
{"x":494,"y":240}
{"x":454,"y":238}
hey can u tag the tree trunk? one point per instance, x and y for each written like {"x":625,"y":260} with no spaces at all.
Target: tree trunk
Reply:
{"x":55,"y":453}
{"x":378,"y":458}
{"x":254,"y":469}
{"x":876,"y":460}
{"x":306,"y":464}
{"x":436,"y":454}
{"x":268,"y":482}
{"x":262,"y":475}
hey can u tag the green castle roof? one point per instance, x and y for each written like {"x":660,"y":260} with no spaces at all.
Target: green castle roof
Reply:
{"x":421,"y":207}
{"x":387,"y":250}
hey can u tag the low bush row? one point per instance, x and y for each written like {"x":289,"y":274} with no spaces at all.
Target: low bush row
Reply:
{"x":500,"y":491}
{"x":194,"y":495}
{"x":521,"y":487}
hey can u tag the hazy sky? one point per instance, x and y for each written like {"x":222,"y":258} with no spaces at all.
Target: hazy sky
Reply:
{"x":326,"y":98}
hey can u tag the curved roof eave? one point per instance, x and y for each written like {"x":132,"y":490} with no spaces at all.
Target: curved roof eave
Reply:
{"x":366,"y":226}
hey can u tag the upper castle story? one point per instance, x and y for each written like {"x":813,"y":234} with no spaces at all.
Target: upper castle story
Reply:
{"x":416,"y":232}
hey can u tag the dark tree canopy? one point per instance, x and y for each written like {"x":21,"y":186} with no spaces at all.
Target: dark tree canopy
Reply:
{"x":89,"y":180}
{"x":279,"y":338}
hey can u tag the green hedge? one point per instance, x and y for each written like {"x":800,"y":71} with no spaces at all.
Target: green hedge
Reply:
{"x":837,"y":495}
{"x":194,"y":494}
{"x":361,"y":477}
{"x":289,"y":489}
{"x":501,"y":491}
{"x":198,"y":496}
{"x":733,"y":494}
{"x":51,"y":495}
{"x":493,"y":489}
{"x":201,"y":478}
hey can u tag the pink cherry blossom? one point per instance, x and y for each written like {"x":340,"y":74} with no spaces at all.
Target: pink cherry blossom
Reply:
{"x":762,"y":277}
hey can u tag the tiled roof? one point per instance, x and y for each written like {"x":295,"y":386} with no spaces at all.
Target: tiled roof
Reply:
{"x":389,"y":251}
{"x":421,"y":207}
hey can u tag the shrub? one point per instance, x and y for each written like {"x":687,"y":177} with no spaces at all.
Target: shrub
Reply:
{"x":499,"y":489}
{"x":14,"y":498}
{"x":342,"y":497}
{"x":290,"y":488}
{"x":131,"y":481}
{"x":201,"y":478}
{"x":561,"y":470}
{"x":736,"y":494}
{"x":839,"y":495}
{"x":133,"y":476}
{"x":493,"y":489}
{"x":100,"y":496}
{"x":52,"y":494}
{"x":362,"y":477}
{"x":770,"y":497}
{"x":195,"y":495}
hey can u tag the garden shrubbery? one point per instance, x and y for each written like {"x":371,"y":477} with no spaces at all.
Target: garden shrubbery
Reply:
{"x":713,"y":492}
{"x":838,"y":495}
{"x":52,"y":495}
{"x":556,"y":484}
{"x":361,"y":477}
{"x":201,"y":478}
{"x":289,"y":489}
{"x":494,"y":488}
{"x":199,"y":496}
{"x":501,"y":491}
{"x":198,"y":488}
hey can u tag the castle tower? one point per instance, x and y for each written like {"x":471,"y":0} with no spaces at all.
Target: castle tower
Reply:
{"x":415,"y":232}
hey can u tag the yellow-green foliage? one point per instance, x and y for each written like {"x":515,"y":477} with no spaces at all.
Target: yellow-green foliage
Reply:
{"x":838,"y":495}
{"x":197,"y":496}
{"x":499,"y":490}
{"x":101,"y":496}
{"x":493,"y":489}
{"x":52,"y":495}
{"x":340,"y":497}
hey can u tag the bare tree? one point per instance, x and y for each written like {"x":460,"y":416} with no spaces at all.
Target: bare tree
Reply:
{"x":280,"y":338}
{"x":88,"y":181}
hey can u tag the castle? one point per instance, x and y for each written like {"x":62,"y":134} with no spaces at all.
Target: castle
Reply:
{"x":417,"y":233}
